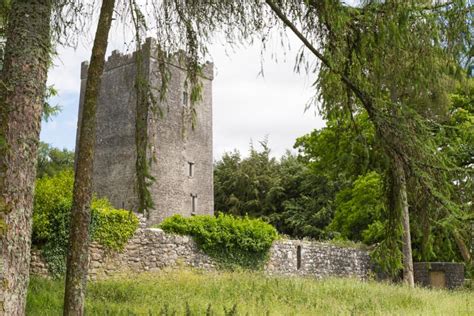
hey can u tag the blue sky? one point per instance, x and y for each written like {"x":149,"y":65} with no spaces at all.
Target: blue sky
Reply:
{"x":60,"y":131}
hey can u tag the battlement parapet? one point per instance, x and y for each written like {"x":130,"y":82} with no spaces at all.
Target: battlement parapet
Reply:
{"x":150,"y":49}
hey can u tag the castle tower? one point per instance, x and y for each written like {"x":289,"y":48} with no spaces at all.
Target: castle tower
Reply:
{"x":180,"y":158}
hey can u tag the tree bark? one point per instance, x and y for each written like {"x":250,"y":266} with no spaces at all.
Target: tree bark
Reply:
{"x":463,"y":248}
{"x":78,"y":252}
{"x":23,"y":83}
{"x":401,"y":207}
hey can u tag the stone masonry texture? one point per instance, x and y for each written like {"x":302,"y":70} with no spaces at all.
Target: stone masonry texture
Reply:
{"x":454,"y":273}
{"x":173,"y":143}
{"x":151,"y":249}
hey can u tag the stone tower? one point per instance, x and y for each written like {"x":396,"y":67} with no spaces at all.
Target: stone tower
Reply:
{"x":180,"y":158}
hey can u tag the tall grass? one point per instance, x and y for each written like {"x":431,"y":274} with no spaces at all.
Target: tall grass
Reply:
{"x":186,"y":292}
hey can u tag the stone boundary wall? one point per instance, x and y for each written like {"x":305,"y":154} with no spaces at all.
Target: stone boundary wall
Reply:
{"x":453,"y":273}
{"x":316,"y":259}
{"x":151,"y":249}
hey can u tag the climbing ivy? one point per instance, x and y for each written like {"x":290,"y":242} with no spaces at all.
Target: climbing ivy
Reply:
{"x":110,"y":227}
{"x":147,"y":102}
{"x":232,"y":241}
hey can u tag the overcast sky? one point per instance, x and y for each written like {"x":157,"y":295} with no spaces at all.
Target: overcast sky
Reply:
{"x":247,"y":106}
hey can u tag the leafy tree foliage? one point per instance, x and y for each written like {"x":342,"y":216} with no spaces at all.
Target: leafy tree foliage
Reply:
{"x":360,"y":210}
{"x":285,"y":192}
{"x":335,"y":186}
{"x":247,"y":186}
{"x":52,"y":161}
{"x":281,"y":192}
{"x":306,"y":205}
{"x":397,"y":61}
{"x":447,"y":235}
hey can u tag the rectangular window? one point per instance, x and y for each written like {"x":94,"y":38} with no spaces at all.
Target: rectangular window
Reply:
{"x":191,"y":169}
{"x":193,"y":204}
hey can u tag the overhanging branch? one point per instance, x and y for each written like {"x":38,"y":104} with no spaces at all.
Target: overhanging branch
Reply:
{"x":362,"y":96}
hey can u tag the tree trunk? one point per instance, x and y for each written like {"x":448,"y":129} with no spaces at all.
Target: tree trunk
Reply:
{"x":78,"y":252}
{"x":398,"y":170}
{"x":463,"y":248}
{"x":22,"y":90}
{"x":401,"y":206}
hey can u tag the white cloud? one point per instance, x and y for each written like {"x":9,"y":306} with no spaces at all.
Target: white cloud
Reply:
{"x":246,"y":106}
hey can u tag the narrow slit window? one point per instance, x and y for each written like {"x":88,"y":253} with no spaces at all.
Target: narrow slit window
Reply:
{"x":193,"y":204}
{"x":298,"y":257}
{"x":185,"y":98}
{"x":185,"y":94}
{"x":191,"y":169}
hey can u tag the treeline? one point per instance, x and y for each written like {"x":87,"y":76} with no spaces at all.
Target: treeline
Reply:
{"x":335,"y":187}
{"x":52,"y":161}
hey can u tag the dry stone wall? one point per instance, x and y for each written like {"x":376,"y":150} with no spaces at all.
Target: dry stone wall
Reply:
{"x":151,"y":249}
{"x":316,"y":259}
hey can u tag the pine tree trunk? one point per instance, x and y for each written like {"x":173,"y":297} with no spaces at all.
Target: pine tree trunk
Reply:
{"x":401,"y":205}
{"x":22,"y":90}
{"x":78,"y":252}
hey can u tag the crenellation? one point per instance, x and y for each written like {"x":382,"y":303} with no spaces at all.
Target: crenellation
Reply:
{"x":84,"y":69}
{"x":117,"y":59}
{"x":149,"y":49}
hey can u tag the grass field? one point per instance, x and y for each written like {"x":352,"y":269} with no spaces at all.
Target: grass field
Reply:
{"x":187,"y":292}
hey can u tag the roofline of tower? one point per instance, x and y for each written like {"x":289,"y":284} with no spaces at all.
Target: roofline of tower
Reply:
{"x":117,"y":59}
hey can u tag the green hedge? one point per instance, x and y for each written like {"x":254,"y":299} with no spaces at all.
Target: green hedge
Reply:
{"x":110,"y":227}
{"x":232,"y":241}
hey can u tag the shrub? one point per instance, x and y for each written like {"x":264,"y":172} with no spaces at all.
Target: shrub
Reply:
{"x":110,"y":227}
{"x":50,"y":193}
{"x":232,"y":241}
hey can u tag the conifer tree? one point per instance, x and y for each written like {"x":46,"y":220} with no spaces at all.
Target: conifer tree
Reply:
{"x":23,"y":83}
{"x":396,"y":61}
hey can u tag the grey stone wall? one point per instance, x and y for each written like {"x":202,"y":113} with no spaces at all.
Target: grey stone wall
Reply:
{"x":176,"y":144}
{"x":37,"y":264}
{"x":309,"y":258}
{"x":173,"y":143}
{"x":114,"y":162}
{"x":151,"y":249}
{"x":453,"y":273}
